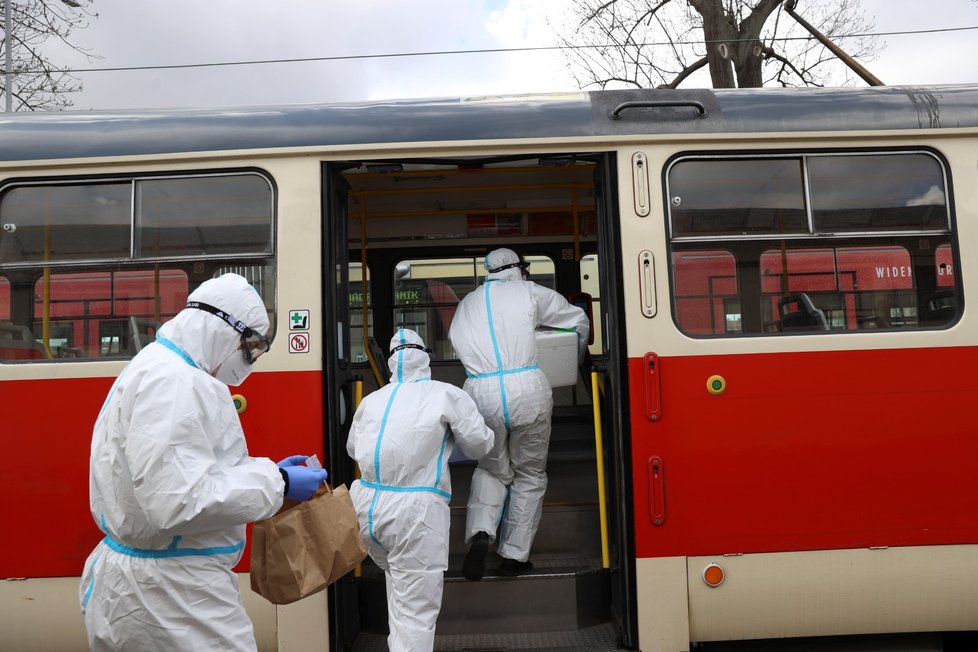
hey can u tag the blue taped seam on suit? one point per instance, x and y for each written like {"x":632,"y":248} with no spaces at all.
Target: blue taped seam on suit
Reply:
{"x":378,"y":487}
{"x":490,"y":374}
{"x":91,"y":584}
{"x":142,"y":553}
{"x":499,"y":359}
{"x":380,"y":438}
{"x":176,"y":349}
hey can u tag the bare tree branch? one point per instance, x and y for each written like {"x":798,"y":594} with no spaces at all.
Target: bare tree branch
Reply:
{"x":689,"y":70}
{"x":660,"y":43}
{"x":38,"y":84}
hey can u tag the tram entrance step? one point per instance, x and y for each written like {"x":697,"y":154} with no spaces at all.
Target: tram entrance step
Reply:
{"x":558,"y":595}
{"x":600,"y":638}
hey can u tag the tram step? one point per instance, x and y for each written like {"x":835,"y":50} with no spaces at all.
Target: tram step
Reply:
{"x":566,"y":531}
{"x":569,"y":525}
{"x":558,"y":595}
{"x":600,"y":638}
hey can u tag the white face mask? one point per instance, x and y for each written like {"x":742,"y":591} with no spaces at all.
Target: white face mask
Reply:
{"x":233,"y":369}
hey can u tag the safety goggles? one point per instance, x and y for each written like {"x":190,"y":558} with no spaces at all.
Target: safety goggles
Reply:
{"x":409,"y":346}
{"x":253,"y":343}
{"x":523,"y":265}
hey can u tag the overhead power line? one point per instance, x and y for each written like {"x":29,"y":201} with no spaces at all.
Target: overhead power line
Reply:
{"x":397,"y":55}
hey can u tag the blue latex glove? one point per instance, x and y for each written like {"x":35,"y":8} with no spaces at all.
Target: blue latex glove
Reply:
{"x":292,"y":460}
{"x":303,"y":481}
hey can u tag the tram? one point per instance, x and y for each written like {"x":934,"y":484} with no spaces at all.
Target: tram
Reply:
{"x":772,"y":436}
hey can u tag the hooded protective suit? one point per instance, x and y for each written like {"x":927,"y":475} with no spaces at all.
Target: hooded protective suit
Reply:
{"x":493,"y":335}
{"x":402,"y":436}
{"x":172,"y":487}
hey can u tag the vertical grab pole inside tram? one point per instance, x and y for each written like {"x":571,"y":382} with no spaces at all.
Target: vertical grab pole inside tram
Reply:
{"x":599,"y":460}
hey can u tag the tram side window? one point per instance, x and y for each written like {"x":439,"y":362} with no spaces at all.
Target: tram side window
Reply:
{"x":210,"y":215}
{"x":706,"y":299}
{"x":872,"y":249}
{"x":426,"y":292}
{"x":357,"y":352}
{"x":91,"y":269}
{"x":107,"y":314}
{"x":65,"y":222}
{"x":877,"y":193}
{"x":590,"y":284}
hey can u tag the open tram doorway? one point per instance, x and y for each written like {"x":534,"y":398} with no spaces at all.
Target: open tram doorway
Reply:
{"x":416,"y":233}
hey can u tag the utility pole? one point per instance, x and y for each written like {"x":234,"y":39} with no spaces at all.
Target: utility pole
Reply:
{"x":868,"y":77}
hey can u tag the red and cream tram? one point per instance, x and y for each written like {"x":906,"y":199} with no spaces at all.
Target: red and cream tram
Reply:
{"x":773,"y":437}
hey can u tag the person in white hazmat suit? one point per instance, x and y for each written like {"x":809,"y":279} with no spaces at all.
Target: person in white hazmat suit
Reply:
{"x":493,"y":334}
{"x":401,"y":437}
{"x":172,"y":485}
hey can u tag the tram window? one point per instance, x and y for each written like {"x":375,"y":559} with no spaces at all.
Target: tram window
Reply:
{"x":590,"y":283}
{"x":855,"y":287}
{"x":203,"y":216}
{"x":261,"y":276}
{"x":897,"y":192}
{"x":426,"y":292}
{"x":107,"y":301}
{"x":105,"y":314}
{"x":357,"y":351}
{"x":736,"y":196}
{"x":872,"y":250}
{"x":707,"y":302}
{"x":208,"y":215}
{"x":945,"y":266}
{"x":65,"y":222}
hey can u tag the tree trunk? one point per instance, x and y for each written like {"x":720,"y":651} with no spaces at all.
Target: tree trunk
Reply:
{"x":749,"y":52}
{"x":720,"y":35}
{"x":733,"y":48}
{"x":748,"y":64}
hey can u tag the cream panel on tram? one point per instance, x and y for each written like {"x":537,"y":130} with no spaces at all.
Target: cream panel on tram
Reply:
{"x":648,"y":233}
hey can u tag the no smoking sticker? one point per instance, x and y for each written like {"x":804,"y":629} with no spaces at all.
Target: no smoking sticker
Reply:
{"x":299,"y":343}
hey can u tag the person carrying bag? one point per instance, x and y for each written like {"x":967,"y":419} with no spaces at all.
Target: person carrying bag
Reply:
{"x":306,"y":546}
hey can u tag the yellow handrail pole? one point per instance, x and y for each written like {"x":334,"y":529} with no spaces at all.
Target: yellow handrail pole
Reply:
{"x":156,"y":293}
{"x":599,"y":457}
{"x":577,"y":227}
{"x":357,"y":397}
{"x":46,"y":293}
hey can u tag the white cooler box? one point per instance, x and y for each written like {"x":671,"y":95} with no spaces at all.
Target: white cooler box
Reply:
{"x":557,"y":356}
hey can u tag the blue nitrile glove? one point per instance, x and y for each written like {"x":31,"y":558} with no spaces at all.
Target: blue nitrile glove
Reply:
{"x":301,"y":482}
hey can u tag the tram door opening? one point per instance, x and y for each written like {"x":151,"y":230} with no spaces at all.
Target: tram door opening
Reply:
{"x":417,"y":234}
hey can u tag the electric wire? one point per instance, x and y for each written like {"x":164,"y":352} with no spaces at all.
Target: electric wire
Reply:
{"x":396,"y":55}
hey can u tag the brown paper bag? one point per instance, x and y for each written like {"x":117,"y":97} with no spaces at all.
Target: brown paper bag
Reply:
{"x":306,"y":546}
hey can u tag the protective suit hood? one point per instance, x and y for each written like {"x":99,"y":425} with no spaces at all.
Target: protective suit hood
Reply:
{"x":208,"y":339}
{"x":408,"y":363}
{"x":500,"y":257}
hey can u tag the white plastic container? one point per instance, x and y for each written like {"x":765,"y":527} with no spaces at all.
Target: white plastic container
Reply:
{"x":557,"y":356}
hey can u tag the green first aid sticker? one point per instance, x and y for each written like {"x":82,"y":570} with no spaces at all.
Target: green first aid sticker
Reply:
{"x":298,"y":320}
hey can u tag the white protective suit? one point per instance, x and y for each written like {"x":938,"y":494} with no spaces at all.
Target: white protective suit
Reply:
{"x":172,"y":487}
{"x":493,"y":335}
{"x":402,"y":436}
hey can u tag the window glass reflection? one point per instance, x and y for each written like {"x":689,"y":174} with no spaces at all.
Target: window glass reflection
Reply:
{"x":879,"y":193}
{"x":58,"y":223}
{"x":737,"y":196}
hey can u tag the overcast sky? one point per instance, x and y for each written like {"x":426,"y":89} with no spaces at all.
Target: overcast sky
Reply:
{"x":131,"y":33}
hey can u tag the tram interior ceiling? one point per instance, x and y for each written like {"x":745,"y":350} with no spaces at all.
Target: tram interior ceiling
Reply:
{"x":449,"y":200}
